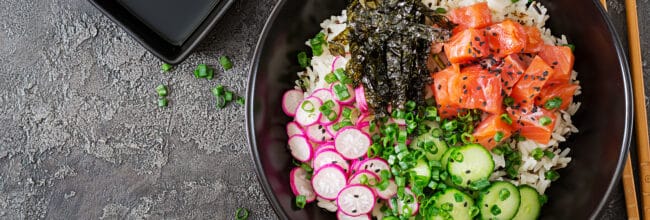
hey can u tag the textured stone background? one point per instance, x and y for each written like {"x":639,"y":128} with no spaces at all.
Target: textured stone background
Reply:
{"x":81,"y":136}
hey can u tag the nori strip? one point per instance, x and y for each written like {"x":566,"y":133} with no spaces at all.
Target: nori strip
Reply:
{"x":389,"y":44}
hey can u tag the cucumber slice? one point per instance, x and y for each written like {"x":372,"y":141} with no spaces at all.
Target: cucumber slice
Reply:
{"x":422,"y":170}
{"x":455,"y":204}
{"x":445,"y":157}
{"x":435,"y":147}
{"x":469,"y":163}
{"x":530,"y":207}
{"x":499,"y":201}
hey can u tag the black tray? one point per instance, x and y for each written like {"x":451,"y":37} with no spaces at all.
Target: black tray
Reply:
{"x":152,"y":41}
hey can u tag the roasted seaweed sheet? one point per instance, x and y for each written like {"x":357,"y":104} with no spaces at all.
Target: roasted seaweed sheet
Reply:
{"x":390,"y":42}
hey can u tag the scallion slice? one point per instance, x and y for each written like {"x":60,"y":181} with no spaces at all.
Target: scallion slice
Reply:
{"x":544,"y":121}
{"x":303,"y":60}
{"x":241,"y":214}
{"x":166,"y":67}
{"x":226,"y":64}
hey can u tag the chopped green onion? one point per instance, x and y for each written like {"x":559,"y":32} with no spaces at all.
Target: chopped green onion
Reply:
{"x":436,"y":132}
{"x":498,"y":137}
{"x":341,"y":75}
{"x":508,"y":101}
{"x":303,"y":60}
{"x":240,"y":100}
{"x":431,"y":113}
{"x":317,"y":44}
{"x":514,"y":1}
{"x":441,"y":10}
{"x":537,"y":153}
{"x":364,"y":179}
{"x":306,"y":167}
{"x":162,"y":102}
{"x":498,"y":150}
{"x":521,"y":138}
{"x":456,"y":156}
{"x":504,"y":194}
{"x":495,"y":210}
{"x":544,"y":121}
{"x":166,"y":67}
{"x":506,"y":118}
{"x":410,"y":105}
{"x":467,"y":138}
{"x":330,"y":115}
{"x":450,"y":125}
{"x":341,"y":92}
{"x":346,"y":113}
{"x":308,"y":106}
{"x":549,"y":154}
{"x":447,"y":206}
{"x":241,"y":214}
{"x":161,"y":90}
{"x":221,"y":102}
{"x":228,"y":96}
{"x":553,"y":103}
{"x":203,"y":71}
{"x":342,"y":124}
{"x":330,"y":78}
{"x":218,"y":91}
{"x":479,"y":184}
{"x":552,"y":175}
{"x":225,"y":63}
{"x":301,"y":200}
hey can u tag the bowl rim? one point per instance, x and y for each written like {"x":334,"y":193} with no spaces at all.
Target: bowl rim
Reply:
{"x":277,"y":208}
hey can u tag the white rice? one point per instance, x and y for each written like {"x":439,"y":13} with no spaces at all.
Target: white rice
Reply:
{"x":531,"y":171}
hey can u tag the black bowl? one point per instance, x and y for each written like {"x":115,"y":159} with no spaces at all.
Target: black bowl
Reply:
{"x":604,"y":120}
{"x":167,"y":50}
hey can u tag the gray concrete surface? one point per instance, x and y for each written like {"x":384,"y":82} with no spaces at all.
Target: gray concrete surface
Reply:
{"x":81,"y":136}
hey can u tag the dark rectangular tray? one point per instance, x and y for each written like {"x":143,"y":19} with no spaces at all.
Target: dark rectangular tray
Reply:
{"x":150,"y":39}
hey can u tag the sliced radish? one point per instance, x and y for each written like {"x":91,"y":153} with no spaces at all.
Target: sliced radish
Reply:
{"x":375,"y":165}
{"x":360,"y":95}
{"x":389,"y":192}
{"x":317,"y":133}
{"x":342,"y":216}
{"x":327,"y":157}
{"x":365,"y":117}
{"x":370,"y":177}
{"x":323,"y":94}
{"x":365,"y":128}
{"x":323,"y":147}
{"x":328,"y":181}
{"x":330,"y":129}
{"x":300,"y":148}
{"x":376,"y":212}
{"x":300,"y":185}
{"x":355,"y":115}
{"x":344,"y":88}
{"x":413,"y":204}
{"x":294,"y":128}
{"x":335,"y":114}
{"x":307,"y":112}
{"x":355,"y":200}
{"x":327,"y":204}
{"x":339,"y":62}
{"x":291,"y":100}
{"x":352,"y":143}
